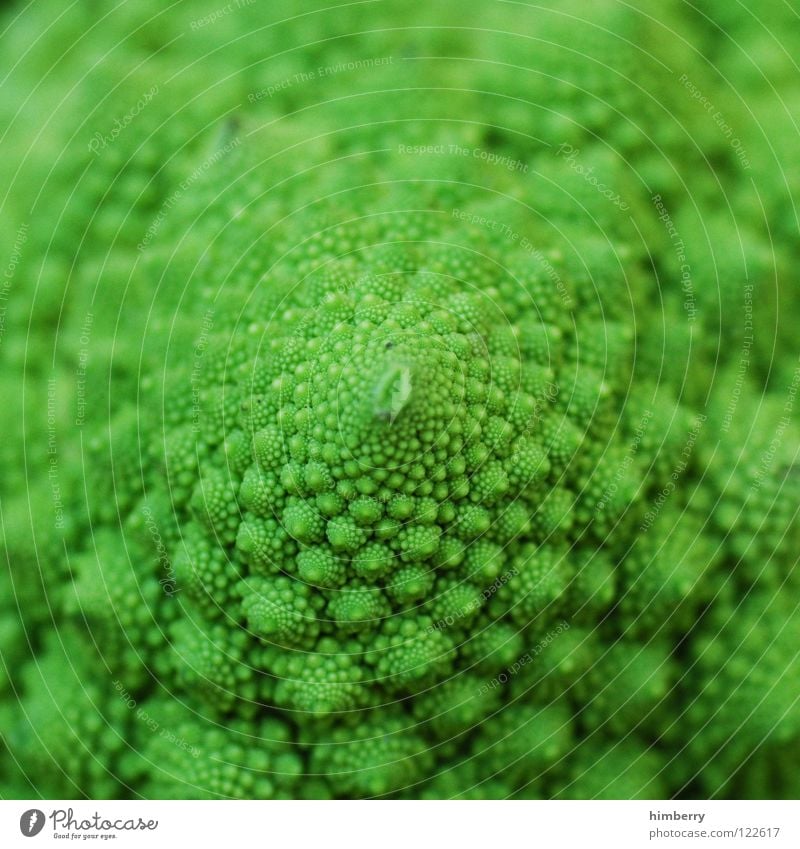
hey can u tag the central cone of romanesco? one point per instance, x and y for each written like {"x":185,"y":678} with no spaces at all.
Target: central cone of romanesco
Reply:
{"x":394,"y":432}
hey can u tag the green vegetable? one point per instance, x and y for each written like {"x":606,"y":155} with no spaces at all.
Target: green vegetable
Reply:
{"x":407,"y":412}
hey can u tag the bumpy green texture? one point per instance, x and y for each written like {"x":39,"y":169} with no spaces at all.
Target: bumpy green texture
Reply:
{"x":404,"y":412}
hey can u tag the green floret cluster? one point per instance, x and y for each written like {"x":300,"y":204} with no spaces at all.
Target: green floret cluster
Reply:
{"x":404,"y":413}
